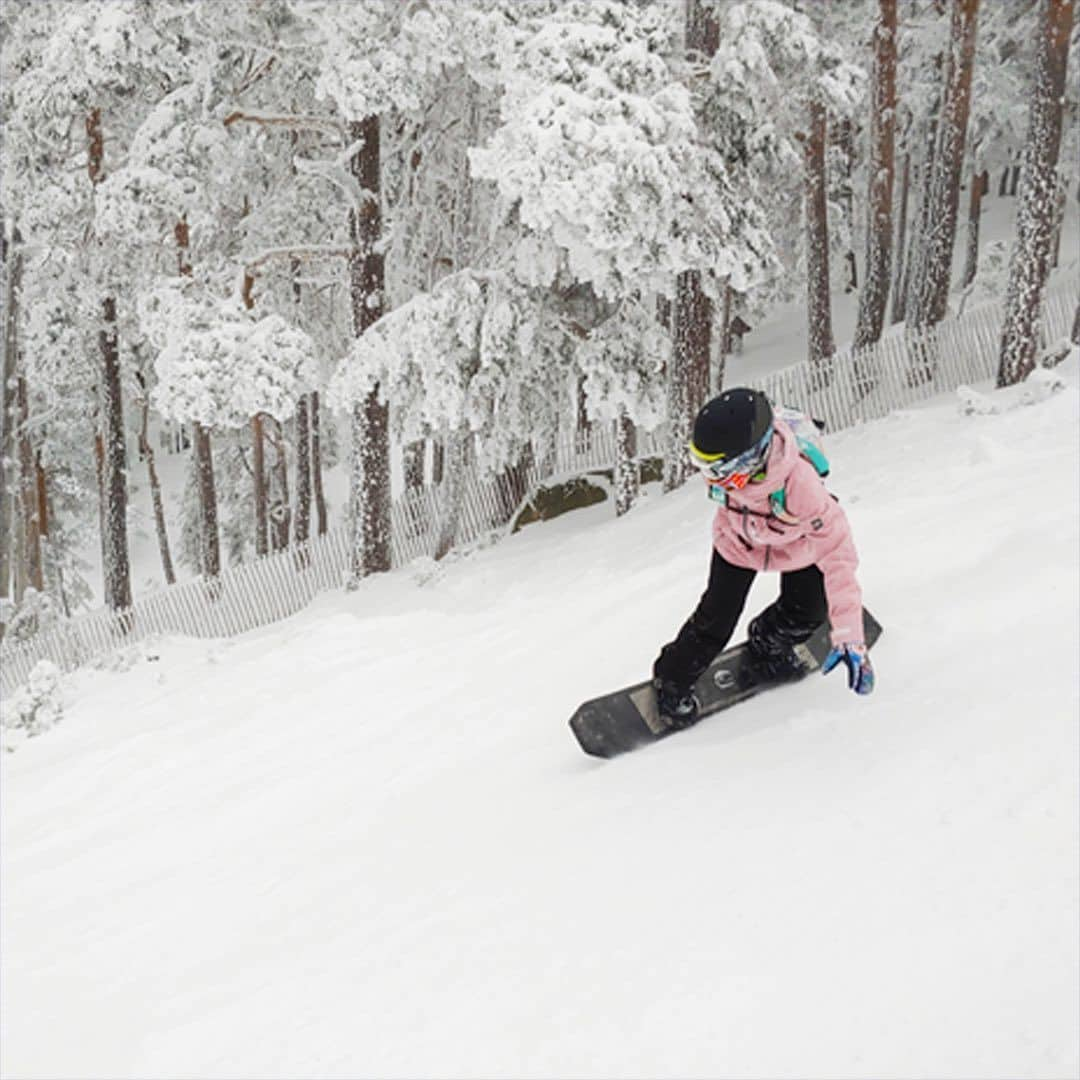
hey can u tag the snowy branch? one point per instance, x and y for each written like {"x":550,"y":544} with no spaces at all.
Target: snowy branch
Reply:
{"x":304,"y":253}
{"x":335,"y":174}
{"x":291,"y":123}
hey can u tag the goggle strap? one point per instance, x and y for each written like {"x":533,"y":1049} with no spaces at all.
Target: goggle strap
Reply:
{"x":709,"y":459}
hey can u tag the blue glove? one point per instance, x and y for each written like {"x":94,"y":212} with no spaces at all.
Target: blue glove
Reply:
{"x":860,"y":670}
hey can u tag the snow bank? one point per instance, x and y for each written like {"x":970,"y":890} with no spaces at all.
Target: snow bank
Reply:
{"x":363,"y":842}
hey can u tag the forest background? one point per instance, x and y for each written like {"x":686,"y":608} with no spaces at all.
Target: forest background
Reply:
{"x":412,"y":239}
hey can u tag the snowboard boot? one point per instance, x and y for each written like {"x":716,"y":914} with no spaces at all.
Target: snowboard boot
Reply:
{"x":678,"y":707}
{"x":770,"y":653}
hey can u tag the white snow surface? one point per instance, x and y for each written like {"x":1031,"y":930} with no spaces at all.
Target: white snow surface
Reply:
{"x":363,"y":842}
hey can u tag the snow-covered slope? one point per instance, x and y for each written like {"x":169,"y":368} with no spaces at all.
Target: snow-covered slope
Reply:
{"x":364,"y":842}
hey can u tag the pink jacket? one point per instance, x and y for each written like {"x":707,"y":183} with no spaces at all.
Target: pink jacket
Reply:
{"x":747,"y":533}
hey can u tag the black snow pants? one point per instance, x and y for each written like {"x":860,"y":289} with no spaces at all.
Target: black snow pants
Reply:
{"x":800,"y":609}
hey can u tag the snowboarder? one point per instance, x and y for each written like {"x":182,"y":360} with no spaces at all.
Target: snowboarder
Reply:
{"x":774,"y":514}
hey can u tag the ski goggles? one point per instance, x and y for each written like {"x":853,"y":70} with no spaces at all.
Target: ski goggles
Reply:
{"x":733,"y":473}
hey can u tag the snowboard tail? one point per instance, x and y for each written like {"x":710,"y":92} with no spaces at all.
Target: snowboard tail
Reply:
{"x":626,"y":719}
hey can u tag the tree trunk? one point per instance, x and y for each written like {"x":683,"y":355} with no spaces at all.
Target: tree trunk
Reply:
{"x":678,"y":405}
{"x":42,"y":490}
{"x":33,"y":574}
{"x":302,"y":520}
{"x":12,"y":265}
{"x":874,"y":295}
{"x":209,"y":544}
{"x":971,"y":256}
{"x":1074,"y":337}
{"x":726,"y":311}
{"x":692,"y":344}
{"x":898,"y":284}
{"x":1060,"y":205}
{"x":627,"y":479}
{"x":582,"y":425}
{"x":693,"y":310}
{"x":117,"y":564}
{"x":702,"y":30}
{"x":158,"y":503}
{"x":452,"y":493}
{"x":819,"y":309}
{"x":114,"y":543}
{"x":438,"y":461}
{"x":845,"y":139}
{"x":413,"y":465}
{"x":1028,"y":267}
{"x":915,"y":264}
{"x":258,"y":473}
{"x":42,"y":494}
{"x":316,"y":466}
{"x":280,"y":507}
{"x":931,"y":288}
{"x":18,"y":543}
{"x":261,"y":489}
{"x":183,"y":246}
{"x":99,"y":475}
{"x":370,"y":472}
{"x":701,"y":37}
{"x":703,"y":327}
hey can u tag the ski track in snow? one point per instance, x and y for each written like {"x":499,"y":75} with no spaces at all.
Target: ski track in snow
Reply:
{"x":363,"y":841}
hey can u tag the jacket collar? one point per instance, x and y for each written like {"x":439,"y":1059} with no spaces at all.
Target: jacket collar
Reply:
{"x":783,"y":456}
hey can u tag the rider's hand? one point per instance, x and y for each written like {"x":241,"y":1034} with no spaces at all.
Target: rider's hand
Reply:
{"x":857,"y":660}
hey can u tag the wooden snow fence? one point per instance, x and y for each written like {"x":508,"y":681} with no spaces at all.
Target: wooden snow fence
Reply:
{"x":854,"y":386}
{"x":907,"y":367}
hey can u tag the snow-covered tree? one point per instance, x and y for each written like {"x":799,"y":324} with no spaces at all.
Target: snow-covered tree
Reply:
{"x":776,"y":81}
{"x":217,"y":366}
{"x":376,"y":59}
{"x":457,"y":359}
{"x":601,"y":167}
{"x":597,"y":160}
{"x":505,"y":221}
{"x":874,"y":293}
{"x":930,"y":275}
{"x":87,"y":72}
{"x":1007,"y":32}
{"x":622,"y":362}
{"x":1038,"y":196}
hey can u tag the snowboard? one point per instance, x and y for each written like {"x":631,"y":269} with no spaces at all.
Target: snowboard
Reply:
{"x":626,"y":719}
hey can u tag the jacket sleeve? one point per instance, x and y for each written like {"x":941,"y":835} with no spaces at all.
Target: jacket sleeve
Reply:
{"x":834,"y":553}
{"x":838,"y":563}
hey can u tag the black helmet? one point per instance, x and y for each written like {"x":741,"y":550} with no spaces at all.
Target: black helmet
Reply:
{"x":731,"y":424}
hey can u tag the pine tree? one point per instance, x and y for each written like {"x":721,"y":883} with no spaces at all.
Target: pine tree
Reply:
{"x":11,"y":263}
{"x":371,"y":435}
{"x":113,"y":479}
{"x":874,"y":294}
{"x":921,"y":63}
{"x":209,"y":535}
{"x":930,"y":281}
{"x":693,"y":310}
{"x":1007,"y":32}
{"x":1029,"y":264}
{"x":777,"y":81}
{"x":820,"y":342}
